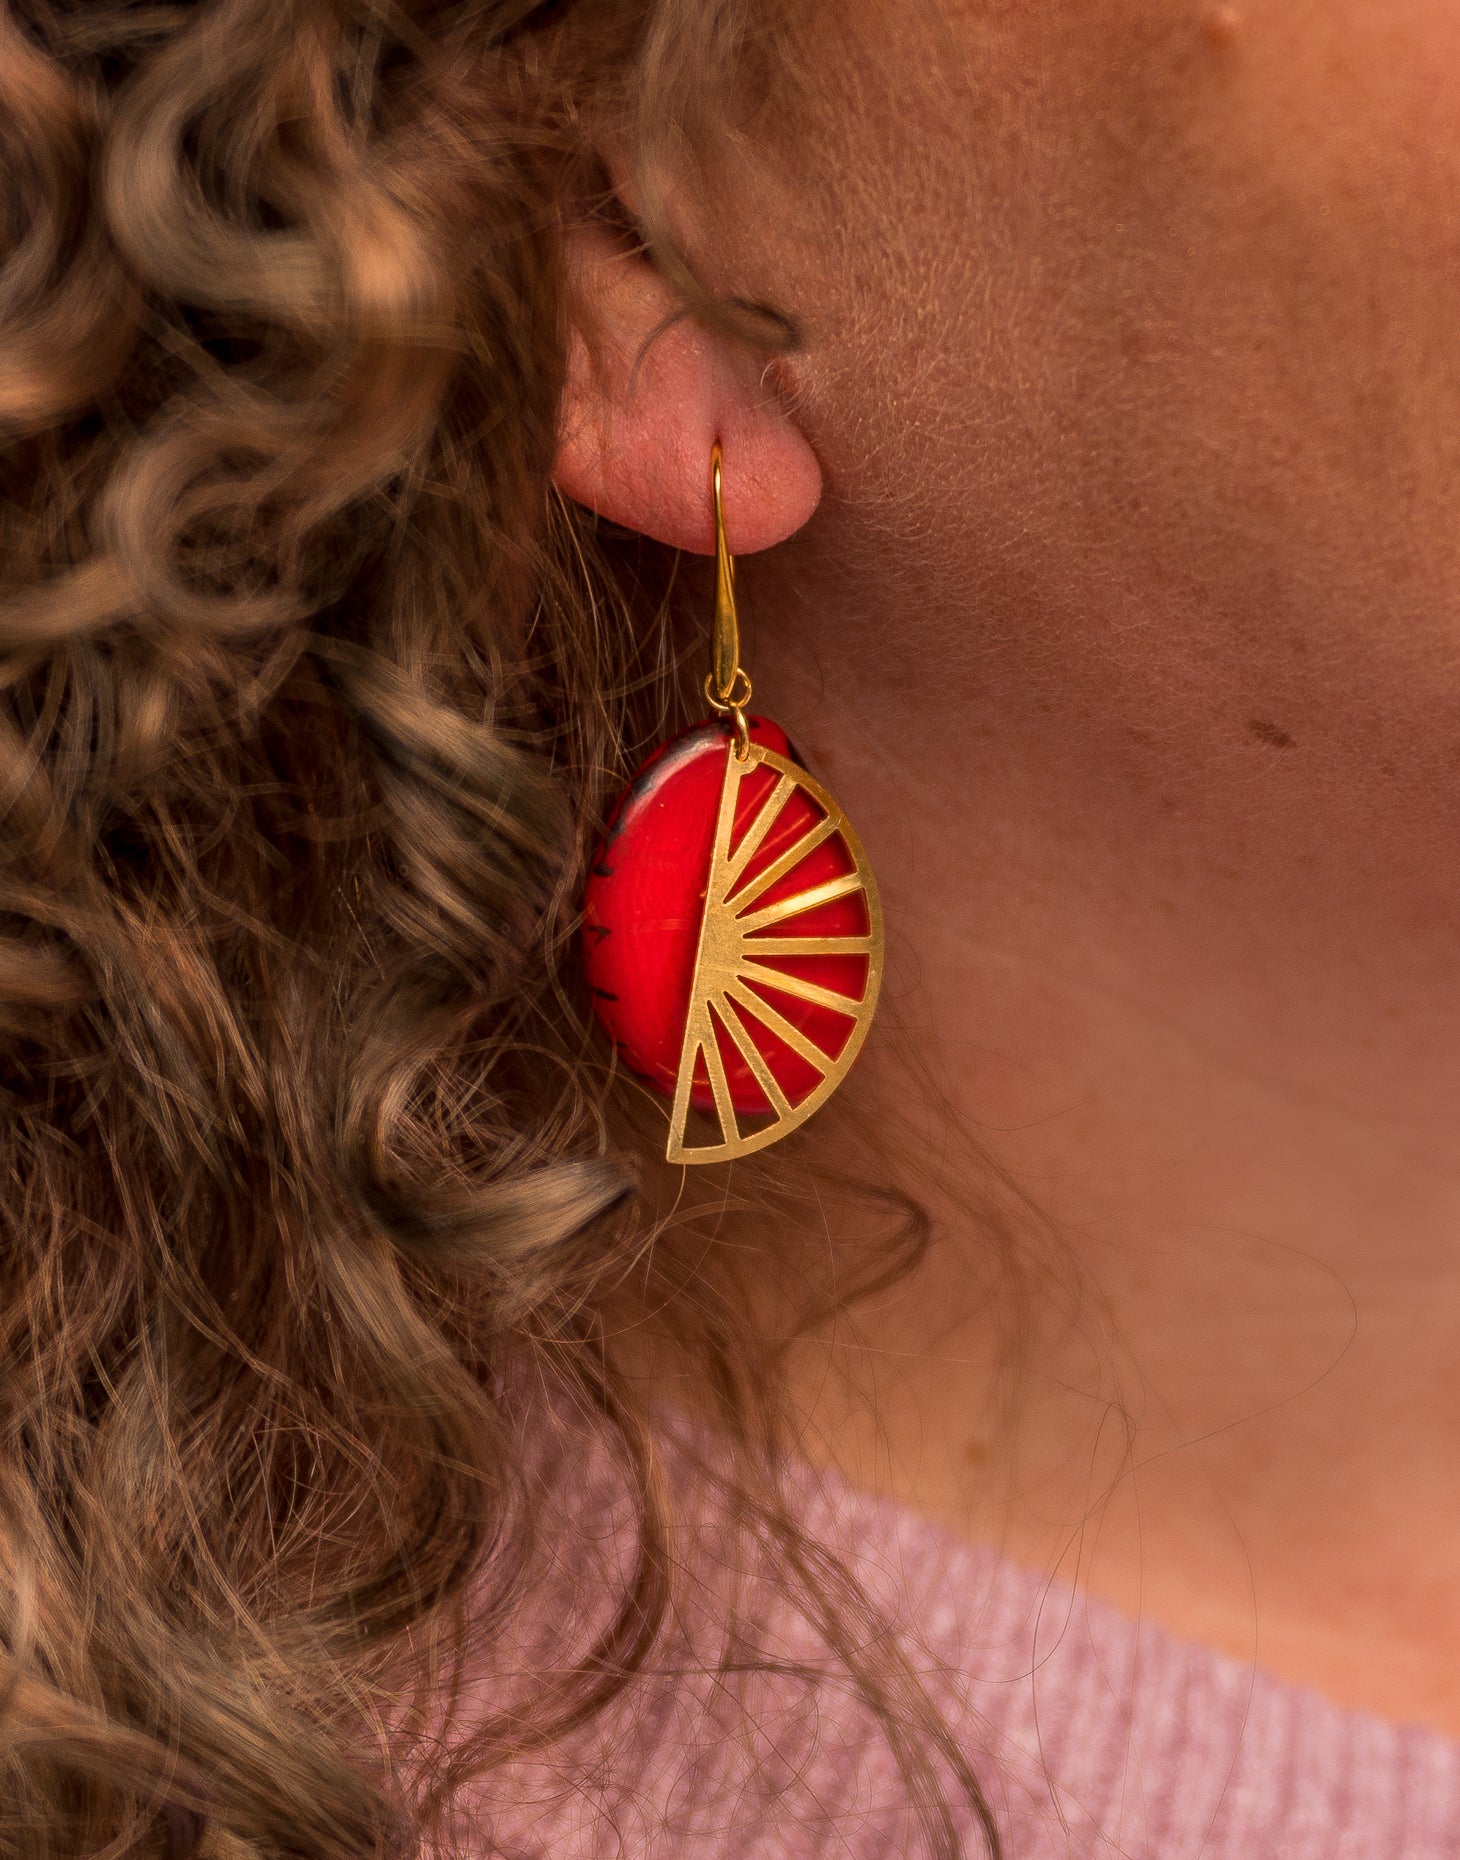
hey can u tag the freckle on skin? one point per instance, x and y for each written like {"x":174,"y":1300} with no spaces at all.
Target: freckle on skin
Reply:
{"x":1270,"y":733}
{"x":1221,"y":24}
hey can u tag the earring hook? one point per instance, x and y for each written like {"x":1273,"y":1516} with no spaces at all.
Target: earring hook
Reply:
{"x":727,"y":684}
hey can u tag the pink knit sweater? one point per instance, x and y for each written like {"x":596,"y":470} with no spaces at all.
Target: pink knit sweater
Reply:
{"x":1116,"y":1739}
{"x":1094,"y":1735}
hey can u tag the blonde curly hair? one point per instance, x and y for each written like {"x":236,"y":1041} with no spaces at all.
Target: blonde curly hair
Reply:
{"x":311,"y":1203}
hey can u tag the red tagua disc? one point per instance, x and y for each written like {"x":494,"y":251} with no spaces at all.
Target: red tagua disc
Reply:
{"x":732,"y":937}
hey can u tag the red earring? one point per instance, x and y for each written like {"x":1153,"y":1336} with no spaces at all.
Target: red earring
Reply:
{"x":732,"y":934}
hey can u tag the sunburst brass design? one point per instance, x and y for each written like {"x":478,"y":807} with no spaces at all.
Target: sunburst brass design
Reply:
{"x":738,"y":932}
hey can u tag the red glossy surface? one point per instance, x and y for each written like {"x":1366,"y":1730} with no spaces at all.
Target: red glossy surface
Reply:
{"x":645,"y":899}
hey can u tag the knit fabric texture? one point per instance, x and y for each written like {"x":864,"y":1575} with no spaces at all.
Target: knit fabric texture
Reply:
{"x":1095,"y":1737}
{"x":1116,"y":1739}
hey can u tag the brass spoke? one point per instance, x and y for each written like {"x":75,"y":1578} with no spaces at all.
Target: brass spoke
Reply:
{"x":783,"y":1029}
{"x":778,"y":868}
{"x":689,"y":1054}
{"x":806,"y":946}
{"x":755,"y":833}
{"x":803,"y":901}
{"x":753,"y":1057}
{"x":719,"y":1084}
{"x":802,"y":990}
{"x":725,"y":822}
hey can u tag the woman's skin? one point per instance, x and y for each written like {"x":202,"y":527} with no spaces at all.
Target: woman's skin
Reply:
{"x":1128,"y":632}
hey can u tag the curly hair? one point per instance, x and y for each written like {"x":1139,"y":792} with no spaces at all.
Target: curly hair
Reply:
{"x":316,"y":1206}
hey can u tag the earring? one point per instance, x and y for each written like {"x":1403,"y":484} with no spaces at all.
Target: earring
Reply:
{"x":732,"y":934}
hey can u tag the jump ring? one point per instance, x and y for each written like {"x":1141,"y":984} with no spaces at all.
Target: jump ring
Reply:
{"x":735,"y":698}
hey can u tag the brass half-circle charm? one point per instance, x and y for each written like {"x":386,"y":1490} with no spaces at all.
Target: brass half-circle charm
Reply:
{"x":732,"y":938}
{"x":789,"y":963}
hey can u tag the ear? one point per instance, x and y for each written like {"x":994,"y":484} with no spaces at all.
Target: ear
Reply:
{"x":648,"y":393}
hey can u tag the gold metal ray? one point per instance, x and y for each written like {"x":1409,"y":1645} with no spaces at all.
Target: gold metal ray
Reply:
{"x":752,"y":1056}
{"x":765,"y":977}
{"x":754,"y":835}
{"x":810,"y":946}
{"x":727,"y":962}
{"x":800,"y":1043}
{"x":802,"y":902}
{"x":778,"y":868}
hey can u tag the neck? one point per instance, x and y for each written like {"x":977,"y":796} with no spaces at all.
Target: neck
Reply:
{"x":1161,"y":990}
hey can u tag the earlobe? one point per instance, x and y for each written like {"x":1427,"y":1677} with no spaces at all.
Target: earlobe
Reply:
{"x":648,"y":392}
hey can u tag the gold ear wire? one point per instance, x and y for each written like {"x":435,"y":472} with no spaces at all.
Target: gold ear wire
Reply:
{"x":725,"y":658}
{"x":727,"y":684}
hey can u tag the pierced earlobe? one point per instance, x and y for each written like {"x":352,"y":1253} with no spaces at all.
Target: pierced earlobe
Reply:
{"x":649,"y":391}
